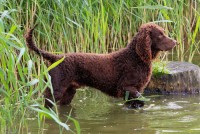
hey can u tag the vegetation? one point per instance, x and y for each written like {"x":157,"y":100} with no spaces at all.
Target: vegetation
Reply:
{"x":98,"y":26}
{"x":159,"y":68}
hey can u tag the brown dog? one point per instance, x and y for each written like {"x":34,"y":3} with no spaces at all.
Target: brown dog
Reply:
{"x":128,"y":69}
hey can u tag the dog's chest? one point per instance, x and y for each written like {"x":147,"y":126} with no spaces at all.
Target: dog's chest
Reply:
{"x":147,"y":76}
{"x":138,"y":76}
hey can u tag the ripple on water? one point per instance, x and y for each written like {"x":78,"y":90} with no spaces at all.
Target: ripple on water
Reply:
{"x":173,"y":105}
{"x":169,"y":105}
{"x":171,"y":131}
{"x":188,"y":118}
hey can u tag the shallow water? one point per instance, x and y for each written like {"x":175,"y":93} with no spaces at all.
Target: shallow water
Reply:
{"x":100,"y":114}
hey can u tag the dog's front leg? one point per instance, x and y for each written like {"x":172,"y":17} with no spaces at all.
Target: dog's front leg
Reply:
{"x":133,"y":94}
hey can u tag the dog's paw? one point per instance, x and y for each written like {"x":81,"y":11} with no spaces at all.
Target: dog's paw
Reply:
{"x":135,"y":104}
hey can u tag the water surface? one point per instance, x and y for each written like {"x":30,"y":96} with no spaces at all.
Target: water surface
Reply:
{"x":100,"y":114}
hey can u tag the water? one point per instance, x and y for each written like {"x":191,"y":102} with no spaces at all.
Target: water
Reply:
{"x":100,"y":114}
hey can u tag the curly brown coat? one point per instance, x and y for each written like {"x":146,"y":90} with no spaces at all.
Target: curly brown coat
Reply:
{"x":128,"y":69}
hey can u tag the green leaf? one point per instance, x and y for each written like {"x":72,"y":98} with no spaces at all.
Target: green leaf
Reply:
{"x":196,"y":30}
{"x":3,"y":92}
{"x":52,"y":115}
{"x":56,"y":64}
{"x":142,"y":98}
{"x":77,"y":125}
{"x":127,"y":95}
{"x":33,"y":82}
{"x":12,"y":29}
{"x":2,"y":29}
{"x":14,"y":38}
{"x":22,"y":50}
{"x":154,"y":7}
{"x":10,"y":43}
{"x":74,"y":22}
{"x":162,"y":21}
{"x":30,"y":64}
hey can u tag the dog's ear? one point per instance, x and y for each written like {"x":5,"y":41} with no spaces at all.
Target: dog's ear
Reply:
{"x":143,"y":45}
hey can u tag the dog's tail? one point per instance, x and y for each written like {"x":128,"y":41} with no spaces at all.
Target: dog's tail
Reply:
{"x":31,"y":45}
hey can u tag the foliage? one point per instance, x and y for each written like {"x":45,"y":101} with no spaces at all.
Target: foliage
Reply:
{"x":159,"y":68}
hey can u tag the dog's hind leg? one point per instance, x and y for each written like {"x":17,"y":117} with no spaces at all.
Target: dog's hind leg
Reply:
{"x":69,"y":94}
{"x":58,"y":83}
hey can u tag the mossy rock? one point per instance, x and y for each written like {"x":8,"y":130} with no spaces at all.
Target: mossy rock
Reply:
{"x":183,"y":77}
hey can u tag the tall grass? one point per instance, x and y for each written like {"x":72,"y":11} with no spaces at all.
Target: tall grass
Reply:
{"x":103,"y":26}
{"x":22,"y":83}
{"x":99,"y":26}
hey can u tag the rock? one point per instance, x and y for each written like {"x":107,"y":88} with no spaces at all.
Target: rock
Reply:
{"x":183,"y":77}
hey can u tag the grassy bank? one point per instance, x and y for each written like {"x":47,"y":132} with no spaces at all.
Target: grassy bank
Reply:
{"x":98,"y":26}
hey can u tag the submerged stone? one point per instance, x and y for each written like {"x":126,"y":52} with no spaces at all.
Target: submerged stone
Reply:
{"x":183,"y":77}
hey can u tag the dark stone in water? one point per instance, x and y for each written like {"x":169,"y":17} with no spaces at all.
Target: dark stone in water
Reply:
{"x":183,"y":77}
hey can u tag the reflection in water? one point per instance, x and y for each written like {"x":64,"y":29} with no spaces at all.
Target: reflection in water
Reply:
{"x":98,"y":113}
{"x":90,"y":105}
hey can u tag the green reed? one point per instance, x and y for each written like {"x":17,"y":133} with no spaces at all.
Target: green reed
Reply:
{"x":22,"y":84}
{"x":99,"y":26}
{"x":103,"y":26}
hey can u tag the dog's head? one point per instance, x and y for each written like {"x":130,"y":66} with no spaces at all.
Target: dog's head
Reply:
{"x":150,"y":40}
